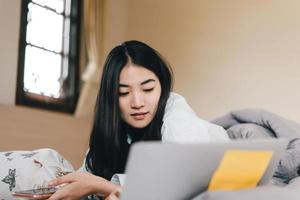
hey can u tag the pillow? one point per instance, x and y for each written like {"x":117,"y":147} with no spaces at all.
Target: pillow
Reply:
{"x":23,"y":170}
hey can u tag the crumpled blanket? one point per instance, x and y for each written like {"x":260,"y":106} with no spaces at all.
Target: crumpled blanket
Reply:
{"x":258,"y":123}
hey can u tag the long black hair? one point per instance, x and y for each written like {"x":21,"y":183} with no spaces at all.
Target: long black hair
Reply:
{"x":108,"y":141}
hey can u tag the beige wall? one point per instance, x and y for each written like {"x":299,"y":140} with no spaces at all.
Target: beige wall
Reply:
{"x":226,"y":54}
{"x":9,"y":38}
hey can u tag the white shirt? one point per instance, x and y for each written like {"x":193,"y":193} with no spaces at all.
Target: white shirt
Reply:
{"x":182,"y":125}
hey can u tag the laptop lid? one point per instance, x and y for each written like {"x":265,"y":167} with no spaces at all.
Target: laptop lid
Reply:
{"x":169,"y":171}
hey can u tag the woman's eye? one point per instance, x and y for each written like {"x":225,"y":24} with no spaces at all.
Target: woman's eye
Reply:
{"x":148,"y":90}
{"x":121,"y":94}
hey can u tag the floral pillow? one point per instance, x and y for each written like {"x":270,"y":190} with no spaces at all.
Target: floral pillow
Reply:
{"x":23,"y":170}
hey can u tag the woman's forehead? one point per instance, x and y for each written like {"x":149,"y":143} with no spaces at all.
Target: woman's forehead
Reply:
{"x":134,"y":74}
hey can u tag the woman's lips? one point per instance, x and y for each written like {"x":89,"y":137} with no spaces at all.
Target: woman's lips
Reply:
{"x":139,"y":116}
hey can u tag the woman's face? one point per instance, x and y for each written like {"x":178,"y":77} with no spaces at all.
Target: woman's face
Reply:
{"x":139,"y":93}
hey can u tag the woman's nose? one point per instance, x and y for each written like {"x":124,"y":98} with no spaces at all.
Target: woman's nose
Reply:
{"x":137,"y":101}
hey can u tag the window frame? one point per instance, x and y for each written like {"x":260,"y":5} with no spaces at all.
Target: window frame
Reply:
{"x":67,"y":104}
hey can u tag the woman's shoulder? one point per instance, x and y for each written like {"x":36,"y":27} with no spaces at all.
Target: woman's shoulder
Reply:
{"x":181,"y":123}
{"x":177,"y":106}
{"x":175,"y":97}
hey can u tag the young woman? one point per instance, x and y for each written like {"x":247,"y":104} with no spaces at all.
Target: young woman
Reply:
{"x":135,"y":103}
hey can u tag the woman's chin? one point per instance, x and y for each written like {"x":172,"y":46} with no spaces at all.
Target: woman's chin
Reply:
{"x":139,"y":124}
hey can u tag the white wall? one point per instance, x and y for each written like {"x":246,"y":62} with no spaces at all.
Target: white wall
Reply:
{"x":9,"y":38}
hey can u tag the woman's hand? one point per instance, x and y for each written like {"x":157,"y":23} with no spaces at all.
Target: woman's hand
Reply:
{"x":115,"y":195}
{"x":81,"y":184}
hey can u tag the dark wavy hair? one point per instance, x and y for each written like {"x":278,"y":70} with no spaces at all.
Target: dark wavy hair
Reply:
{"x":108,"y":147}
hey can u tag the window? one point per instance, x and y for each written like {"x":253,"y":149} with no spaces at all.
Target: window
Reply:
{"x":49,"y":54}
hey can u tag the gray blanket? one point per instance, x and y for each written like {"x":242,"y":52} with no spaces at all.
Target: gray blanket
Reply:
{"x":289,"y":192}
{"x":257,"y":123}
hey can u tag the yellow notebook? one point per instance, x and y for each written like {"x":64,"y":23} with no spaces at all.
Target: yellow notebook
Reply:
{"x":240,"y":169}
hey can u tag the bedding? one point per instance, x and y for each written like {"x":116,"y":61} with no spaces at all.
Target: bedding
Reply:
{"x":23,"y":170}
{"x":259,"y":193}
{"x":42,"y":165}
{"x":255,"y":124}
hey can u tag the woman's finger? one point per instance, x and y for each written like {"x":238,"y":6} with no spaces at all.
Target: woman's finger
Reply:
{"x":118,"y":193}
{"x":112,"y":197}
{"x":59,"y":194}
{"x":115,"y":195}
{"x":57,"y":181}
{"x":61,"y":180}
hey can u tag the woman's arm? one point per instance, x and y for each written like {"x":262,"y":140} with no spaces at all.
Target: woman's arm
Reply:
{"x":81,"y":184}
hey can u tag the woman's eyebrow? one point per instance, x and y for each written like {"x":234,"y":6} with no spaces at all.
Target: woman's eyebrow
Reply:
{"x":142,"y":83}
{"x":147,"y":81}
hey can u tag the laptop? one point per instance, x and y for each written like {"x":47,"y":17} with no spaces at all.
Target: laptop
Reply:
{"x":169,"y":171}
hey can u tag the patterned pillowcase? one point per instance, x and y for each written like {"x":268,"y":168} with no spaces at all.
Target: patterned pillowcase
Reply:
{"x":23,"y":170}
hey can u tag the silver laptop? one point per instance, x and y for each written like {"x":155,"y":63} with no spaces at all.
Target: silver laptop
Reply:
{"x":157,"y":171}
